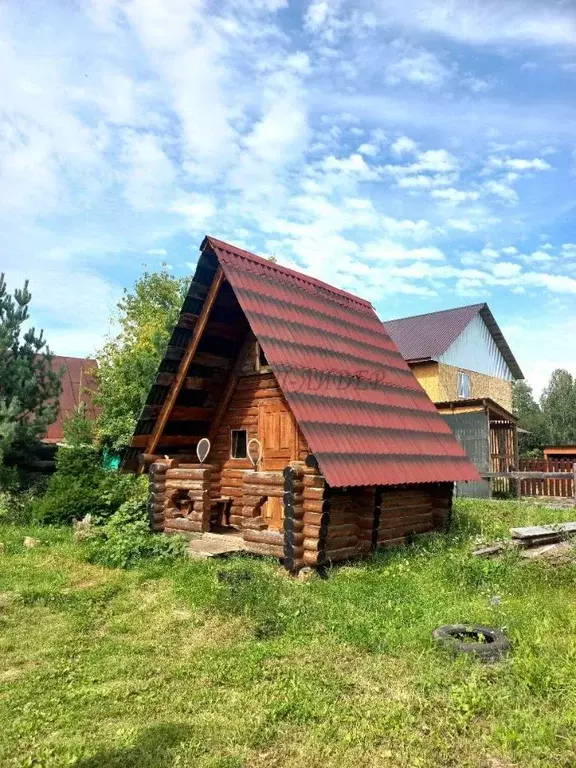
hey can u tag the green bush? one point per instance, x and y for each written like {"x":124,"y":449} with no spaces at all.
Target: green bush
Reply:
{"x":125,"y":539}
{"x":19,"y":495}
{"x":81,"y":486}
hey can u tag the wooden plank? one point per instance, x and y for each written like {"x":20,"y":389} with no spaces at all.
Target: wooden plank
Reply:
{"x":186,"y":360}
{"x":533,"y":531}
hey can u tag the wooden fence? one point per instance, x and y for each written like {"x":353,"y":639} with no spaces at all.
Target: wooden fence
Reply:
{"x":554,"y":478}
{"x":562,"y":487}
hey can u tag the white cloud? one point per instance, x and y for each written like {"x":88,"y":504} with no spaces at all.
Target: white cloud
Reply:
{"x":418,"y":68}
{"x":502,"y":190}
{"x":464,"y":225}
{"x":386,"y":250}
{"x":519,"y":163}
{"x":371,"y":150}
{"x":490,"y":22}
{"x":454,"y":196}
{"x":197,"y":208}
{"x":149,"y":173}
{"x":402,"y":145}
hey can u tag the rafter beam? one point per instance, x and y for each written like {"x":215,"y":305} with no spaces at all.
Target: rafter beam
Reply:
{"x":185,"y":362}
{"x":231,"y":385}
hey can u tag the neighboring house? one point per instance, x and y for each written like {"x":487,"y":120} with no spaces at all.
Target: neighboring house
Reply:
{"x":462,"y":360}
{"x":354,"y":455}
{"x":75,"y":381}
{"x":561,"y":452}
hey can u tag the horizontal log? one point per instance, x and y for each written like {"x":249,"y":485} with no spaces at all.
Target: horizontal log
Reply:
{"x":267,"y":478}
{"x":333,"y":544}
{"x":422,"y":509}
{"x":183,"y":524}
{"x":255,"y":523}
{"x":267,"y":550}
{"x":264,"y":490}
{"x":338,"y":555}
{"x":275,"y":538}
{"x":314,"y":481}
{"x":315,"y":518}
{"x":185,"y":485}
{"x":235,"y":520}
{"x":313,"y":494}
{"x":185,"y":473}
{"x":397,"y":522}
{"x":388,"y":533}
{"x":329,"y":532}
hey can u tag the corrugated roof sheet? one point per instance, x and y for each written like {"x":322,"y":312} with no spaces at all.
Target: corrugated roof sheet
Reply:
{"x":360,"y":408}
{"x":76,"y":377}
{"x":426,"y":337}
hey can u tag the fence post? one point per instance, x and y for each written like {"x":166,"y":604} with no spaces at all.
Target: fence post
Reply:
{"x":574,"y":483}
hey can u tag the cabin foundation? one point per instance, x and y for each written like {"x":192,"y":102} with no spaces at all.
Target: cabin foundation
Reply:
{"x":320,"y":525}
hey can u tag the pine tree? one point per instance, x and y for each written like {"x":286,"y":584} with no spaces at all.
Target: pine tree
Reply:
{"x":29,"y":388}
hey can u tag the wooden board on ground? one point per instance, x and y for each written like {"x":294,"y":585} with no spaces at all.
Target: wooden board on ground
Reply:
{"x":215,"y":545}
{"x":536,"y":531}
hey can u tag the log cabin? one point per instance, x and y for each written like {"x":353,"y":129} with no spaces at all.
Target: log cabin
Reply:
{"x":323,"y":446}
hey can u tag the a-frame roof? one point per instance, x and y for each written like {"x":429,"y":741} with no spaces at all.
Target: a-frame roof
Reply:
{"x":364,"y":416}
{"x":426,"y":337}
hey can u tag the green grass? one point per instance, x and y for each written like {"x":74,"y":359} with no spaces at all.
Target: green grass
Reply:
{"x":172,"y":666}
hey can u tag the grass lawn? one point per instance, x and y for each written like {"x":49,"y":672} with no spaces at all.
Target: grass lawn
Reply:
{"x":172,"y":666}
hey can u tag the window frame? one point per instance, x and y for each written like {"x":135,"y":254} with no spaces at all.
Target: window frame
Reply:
{"x":464,"y":377}
{"x":232,"y":456}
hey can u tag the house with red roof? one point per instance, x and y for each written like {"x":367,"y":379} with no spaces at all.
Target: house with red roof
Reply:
{"x":77,"y":383}
{"x":464,"y":363}
{"x":284,"y":419}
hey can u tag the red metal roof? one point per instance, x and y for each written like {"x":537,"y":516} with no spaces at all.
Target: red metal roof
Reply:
{"x":76,"y":377}
{"x":364,"y":415}
{"x":426,"y":337}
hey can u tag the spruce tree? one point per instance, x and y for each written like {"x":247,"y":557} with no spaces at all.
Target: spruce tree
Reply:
{"x":29,"y":388}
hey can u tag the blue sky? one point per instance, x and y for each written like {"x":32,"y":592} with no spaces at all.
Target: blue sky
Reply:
{"x":419,"y":153}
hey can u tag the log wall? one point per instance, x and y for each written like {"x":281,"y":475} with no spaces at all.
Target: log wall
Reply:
{"x":242,"y":413}
{"x":179,"y":498}
{"x":406,"y":511}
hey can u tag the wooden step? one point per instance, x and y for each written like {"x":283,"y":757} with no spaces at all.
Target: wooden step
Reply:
{"x":215,"y":545}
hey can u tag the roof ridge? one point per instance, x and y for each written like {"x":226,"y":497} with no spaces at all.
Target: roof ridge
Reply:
{"x":438,"y":312}
{"x":293,"y":273}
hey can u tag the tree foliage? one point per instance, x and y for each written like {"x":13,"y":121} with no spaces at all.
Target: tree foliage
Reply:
{"x":530,"y":418}
{"x":128,"y":360}
{"x":558,"y":406}
{"x":29,"y":388}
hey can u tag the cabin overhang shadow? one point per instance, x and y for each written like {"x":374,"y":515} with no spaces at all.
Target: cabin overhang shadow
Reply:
{"x":354,"y":454}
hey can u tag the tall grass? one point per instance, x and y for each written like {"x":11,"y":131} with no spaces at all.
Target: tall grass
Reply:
{"x":233,"y":663}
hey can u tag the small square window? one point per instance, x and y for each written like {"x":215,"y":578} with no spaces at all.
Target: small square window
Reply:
{"x":464,"y":385}
{"x":239,"y":443}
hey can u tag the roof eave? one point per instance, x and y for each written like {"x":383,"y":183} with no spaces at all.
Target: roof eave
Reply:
{"x":501,"y":342}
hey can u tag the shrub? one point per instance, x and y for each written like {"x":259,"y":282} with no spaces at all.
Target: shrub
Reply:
{"x":81,"y":486}
{"x":125,"y":539}
{"x":19,"y":494}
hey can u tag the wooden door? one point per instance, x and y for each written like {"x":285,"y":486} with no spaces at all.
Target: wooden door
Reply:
{"x":279,"y":437}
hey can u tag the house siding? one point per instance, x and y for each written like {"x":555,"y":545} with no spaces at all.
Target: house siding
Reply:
{"x":476,"y":350}
{"x":440,"y":382}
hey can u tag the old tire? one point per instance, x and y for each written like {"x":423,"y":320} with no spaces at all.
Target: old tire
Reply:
{"x":486,"y":643}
